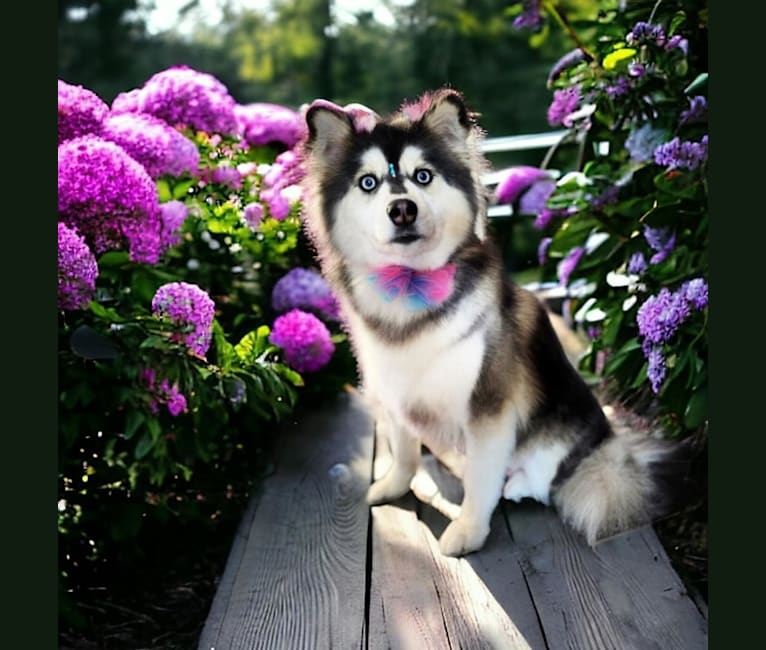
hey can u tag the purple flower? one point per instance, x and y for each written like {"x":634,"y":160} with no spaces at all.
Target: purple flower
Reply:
{"x":533,"y":200}
{"x":656,"y":370}
{"x":637,"y":264}
{"x":186,"y":97}
{"x":697,"y":111}
{"x":542,"y":249}
{"x":286,"y":170}
{"x":593,"y":332}
{"x":174,"y":399}
{"x":530,"y":17}
{"x":77,"y":270}
{"x":262,"y":123}
{"x":80,"y":110}
{"x":108,"y":197}
{"x":678,"y":154}
{"x":636,"y":69}
{"x":173,"y":214}
{"x":620,"y":87}
{"x":642,"y":142}
{"x":163,"y":393}
{"x":696,"y":292}
{"x":225,"y":174}
{"x":569,"y":60}
{"x":565,"y":102}
{"x":304,"y":289}
{"x":547,"y":215}
{"x":160,"y":148}
{"x":662,"y":240}
{"x":190,"y":309}
{"x":279,"y":206}
{"x":252,"y":214}
{"x":660,"y":316}
{"x":607,"y":197}
{"x":305,"y":340}
{"x":519,"y":179}
{"x":568,"y":264}
{"x":678,"y":41}
{"x":644,"y":32}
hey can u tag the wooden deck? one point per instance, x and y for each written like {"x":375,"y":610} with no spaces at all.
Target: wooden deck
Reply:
{"x":312,"y":567}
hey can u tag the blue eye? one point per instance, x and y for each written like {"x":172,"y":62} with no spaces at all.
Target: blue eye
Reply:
{"x":368,"y":182}
{"x":423,"y":176}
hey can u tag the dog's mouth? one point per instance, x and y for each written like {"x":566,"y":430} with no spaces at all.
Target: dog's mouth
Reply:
{"x":406,"y":238}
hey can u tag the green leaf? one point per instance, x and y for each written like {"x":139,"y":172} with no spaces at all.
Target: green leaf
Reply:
{"x":133,"y":420}
{"x":106,"y":313}
{"x":144,"y":446}
{"x":180,"y":190}
{"x":163,"y":190}
{"x":694,"y":86}
{"x":252,"y":344}
{"x":113,"y":259}
{"x":696,"y":410}
{"x":288,"y":373}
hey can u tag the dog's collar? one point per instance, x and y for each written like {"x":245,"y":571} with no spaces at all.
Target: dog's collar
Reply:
{"x":420,"y":289}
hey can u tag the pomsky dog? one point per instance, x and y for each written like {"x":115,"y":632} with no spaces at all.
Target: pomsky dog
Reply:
{"x":451,"y":353}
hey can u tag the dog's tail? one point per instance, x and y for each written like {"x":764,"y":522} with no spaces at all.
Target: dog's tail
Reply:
{"x":629,"y":480}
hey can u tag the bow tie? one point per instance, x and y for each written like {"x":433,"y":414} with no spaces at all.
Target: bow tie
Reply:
{"x":420,"y":288}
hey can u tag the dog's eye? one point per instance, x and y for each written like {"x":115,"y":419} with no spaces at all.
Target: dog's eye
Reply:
{"x":368,"y":182}
{"x":423,"y":176}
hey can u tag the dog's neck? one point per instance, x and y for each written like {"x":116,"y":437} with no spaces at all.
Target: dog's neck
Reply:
{"x":418,"y":289}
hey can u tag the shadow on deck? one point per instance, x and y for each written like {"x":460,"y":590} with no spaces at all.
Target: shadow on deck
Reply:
{"x":312,"y":567}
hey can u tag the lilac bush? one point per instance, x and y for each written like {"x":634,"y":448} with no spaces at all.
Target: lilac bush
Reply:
{"x":628,"y":231}
{"x":173,"y":231}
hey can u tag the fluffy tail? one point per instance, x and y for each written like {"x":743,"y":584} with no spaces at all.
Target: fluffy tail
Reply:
{"x":629,"y":480}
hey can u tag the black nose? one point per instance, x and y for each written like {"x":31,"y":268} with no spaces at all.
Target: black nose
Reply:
{"x":402,"y":212}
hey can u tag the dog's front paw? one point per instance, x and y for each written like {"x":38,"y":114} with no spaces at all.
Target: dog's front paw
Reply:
{"x":387,"y":489}
{"x":462,"y":537}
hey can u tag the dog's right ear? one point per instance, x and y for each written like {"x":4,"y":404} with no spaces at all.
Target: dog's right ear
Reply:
{"x":329,"y":128}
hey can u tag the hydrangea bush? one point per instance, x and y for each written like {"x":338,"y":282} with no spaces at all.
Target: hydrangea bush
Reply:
{"x":190,"y":320}
{"x":626,"y":232}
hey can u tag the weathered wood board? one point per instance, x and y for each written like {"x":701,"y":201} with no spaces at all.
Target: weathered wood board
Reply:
{"x":311,"y":569}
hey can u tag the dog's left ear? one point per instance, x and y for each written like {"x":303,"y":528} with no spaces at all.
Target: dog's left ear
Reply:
{"x":449,"y":117}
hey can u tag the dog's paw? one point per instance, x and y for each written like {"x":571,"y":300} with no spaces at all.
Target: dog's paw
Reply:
{"x":386,"y":490}
{"x":462,"y":537}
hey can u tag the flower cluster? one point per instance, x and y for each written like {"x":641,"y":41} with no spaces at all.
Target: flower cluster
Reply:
{"x":306,"y":289}
{"x":77,"y":270}
{"x":659,"y":319}
{"x":108,"y":197}
{"x":80,"y":111}
{"x":172,"y":214}
{"x":262,"y":123}
{"x":163,"y":392}
{"x":160,"y":148}
{"x":305,"y":340}
{"x":182,"y":96}
{"x":190,"y":309}
{"x":632,"y":92}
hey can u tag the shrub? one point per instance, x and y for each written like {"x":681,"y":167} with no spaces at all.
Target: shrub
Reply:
{"x":627,"y":230}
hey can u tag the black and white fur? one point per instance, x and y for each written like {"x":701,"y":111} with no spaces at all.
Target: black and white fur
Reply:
{"x":482,"y":373}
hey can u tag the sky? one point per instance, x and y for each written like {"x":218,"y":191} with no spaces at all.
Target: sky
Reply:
{"x":165,"y":15}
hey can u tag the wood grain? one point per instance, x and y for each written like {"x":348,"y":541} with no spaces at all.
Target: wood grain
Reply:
{"x":301,"y":576}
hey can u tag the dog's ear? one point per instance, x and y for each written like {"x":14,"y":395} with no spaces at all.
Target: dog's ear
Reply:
{"x":448,"y":116}
{"x":329,"y":126}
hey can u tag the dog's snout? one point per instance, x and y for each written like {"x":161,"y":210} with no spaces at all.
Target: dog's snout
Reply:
{"x":403,"y":212}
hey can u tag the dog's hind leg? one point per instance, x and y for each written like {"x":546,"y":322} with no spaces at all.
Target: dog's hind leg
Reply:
{"x":405,"y":458}
{"x":489,"y":443}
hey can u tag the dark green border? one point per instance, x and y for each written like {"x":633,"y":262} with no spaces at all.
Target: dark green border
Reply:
{"x":29,"y":330}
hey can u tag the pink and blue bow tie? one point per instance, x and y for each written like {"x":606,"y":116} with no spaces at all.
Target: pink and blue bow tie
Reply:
{"x":420,"y":288}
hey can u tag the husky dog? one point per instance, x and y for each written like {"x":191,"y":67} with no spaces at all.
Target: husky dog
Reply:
{"x":451,"y":353}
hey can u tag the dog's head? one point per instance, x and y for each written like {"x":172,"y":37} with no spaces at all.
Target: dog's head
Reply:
{"x":403,"y":189}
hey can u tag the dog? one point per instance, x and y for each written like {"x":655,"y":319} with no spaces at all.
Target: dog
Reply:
{"x":451,"y":353}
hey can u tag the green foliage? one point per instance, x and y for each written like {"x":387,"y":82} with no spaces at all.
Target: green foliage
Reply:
{"x":131,"y":459}
{"x":625,"y":195}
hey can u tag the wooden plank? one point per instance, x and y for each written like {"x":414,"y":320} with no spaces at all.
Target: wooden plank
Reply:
{"x":422,"y":600}
{"x":495,"y":564}
{"x":300,"y":580}
{"x":623,"y":593}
